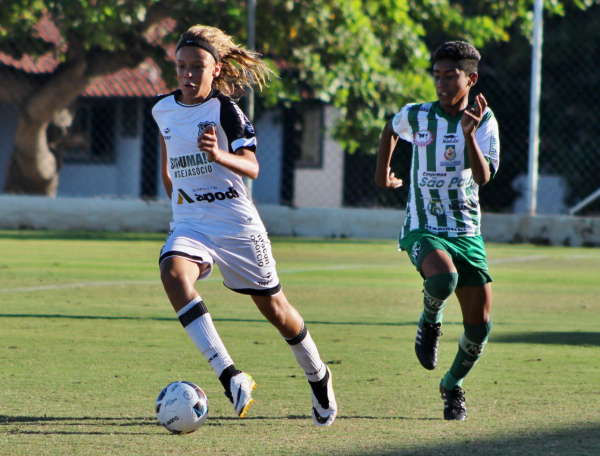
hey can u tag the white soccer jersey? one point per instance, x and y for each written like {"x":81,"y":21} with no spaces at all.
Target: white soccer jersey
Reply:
{"x":204,"y":193}
{"x":443,"y":198}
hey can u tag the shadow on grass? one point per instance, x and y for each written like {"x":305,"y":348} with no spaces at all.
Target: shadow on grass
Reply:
{"x":25,"y":424}
{"x":101,"y":421}
{"x":580,"y":440}
{"x":174,"y":319}
{"x":549,"y":337}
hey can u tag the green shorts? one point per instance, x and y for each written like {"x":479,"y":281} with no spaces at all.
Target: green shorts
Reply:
{"x":467,"y":253}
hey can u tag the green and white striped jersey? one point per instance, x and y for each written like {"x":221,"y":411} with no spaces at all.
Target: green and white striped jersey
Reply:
{"x":443,"y":198}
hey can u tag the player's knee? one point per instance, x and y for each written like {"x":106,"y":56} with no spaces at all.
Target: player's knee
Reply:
{"x":275,"y":308}
{"x":441,"y":286}
{"x":172,"y":279}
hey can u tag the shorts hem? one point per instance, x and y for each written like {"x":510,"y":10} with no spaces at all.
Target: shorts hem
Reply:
{"x":258,"y":292}
{"x":175,"y":253}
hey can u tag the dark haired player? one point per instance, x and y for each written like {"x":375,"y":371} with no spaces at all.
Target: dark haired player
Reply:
{"x":455,"y":151}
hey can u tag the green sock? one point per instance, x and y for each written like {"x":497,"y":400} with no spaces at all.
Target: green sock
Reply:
{"x":470,"y":347}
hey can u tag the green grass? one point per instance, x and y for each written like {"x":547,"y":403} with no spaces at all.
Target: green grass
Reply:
{"x":88,"y":339}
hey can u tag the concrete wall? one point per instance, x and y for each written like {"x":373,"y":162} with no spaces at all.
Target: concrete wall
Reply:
{"x":135,"y":215}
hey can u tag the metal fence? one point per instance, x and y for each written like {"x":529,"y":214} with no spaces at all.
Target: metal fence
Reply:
{"x":111,"y":149}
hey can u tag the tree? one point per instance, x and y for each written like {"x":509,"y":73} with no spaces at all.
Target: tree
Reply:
{"x":97,"y":37}
{"x":365,"y":57}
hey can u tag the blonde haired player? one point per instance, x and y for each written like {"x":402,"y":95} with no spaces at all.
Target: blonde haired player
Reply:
{"x":207,"y":147}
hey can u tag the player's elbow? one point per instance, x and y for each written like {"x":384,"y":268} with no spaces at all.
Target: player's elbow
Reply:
{"x":482,"y":179}
{"x":252,"y":172}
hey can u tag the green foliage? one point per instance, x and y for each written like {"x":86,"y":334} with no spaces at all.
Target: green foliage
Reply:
{"x":370,"y":58}
{"x":366,"y":58}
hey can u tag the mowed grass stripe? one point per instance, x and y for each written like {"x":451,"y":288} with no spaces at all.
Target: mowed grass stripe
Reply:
{"x":87,"y":385}
{"x":279,"y":272}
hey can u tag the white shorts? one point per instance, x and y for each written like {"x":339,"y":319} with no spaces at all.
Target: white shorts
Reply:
{"x":246,"y":262}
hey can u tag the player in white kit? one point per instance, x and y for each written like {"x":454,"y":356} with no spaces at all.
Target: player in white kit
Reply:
{"x":455,"y":150}
{"x":207,"y":147}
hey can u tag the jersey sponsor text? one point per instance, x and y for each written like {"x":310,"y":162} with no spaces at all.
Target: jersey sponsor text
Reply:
{"x":208,"y":197}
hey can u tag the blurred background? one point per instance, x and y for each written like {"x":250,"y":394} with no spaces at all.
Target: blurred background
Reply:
{"x":77,"y":80}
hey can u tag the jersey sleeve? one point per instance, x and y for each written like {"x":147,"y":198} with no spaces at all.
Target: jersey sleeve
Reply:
{"x":401,"y":125}
{"x":488,"y":139}
{"x":155,"y":101}
{"x":237,"y":127}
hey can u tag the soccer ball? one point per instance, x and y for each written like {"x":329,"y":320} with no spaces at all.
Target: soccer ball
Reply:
{"x":182,"y":407}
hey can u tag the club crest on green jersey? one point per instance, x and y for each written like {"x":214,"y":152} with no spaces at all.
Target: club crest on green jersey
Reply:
{"x":450,"y":153}
{"x":450,"y":156}
{"x":423,"y":138}
{"x":435,"y":207}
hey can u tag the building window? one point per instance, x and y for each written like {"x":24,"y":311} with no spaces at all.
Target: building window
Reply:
{"x":91,"y":137}
{"x":129,"y":117}
{"x":311,"y":144}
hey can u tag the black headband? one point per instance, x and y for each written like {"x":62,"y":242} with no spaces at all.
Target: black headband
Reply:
{"x":202,"y":45}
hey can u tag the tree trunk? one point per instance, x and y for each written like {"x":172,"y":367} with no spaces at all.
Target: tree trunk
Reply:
{"x":33,"y":168}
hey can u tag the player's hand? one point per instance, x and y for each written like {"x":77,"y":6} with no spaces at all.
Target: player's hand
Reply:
{"x":391,"y":180}
{"x":207,"y":142}
{"x":473,"y":115}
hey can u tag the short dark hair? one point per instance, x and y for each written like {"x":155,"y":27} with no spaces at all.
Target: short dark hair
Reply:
{"x":461,"y":52}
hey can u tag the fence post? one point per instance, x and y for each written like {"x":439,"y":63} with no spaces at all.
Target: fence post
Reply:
{"x":534,"y":109}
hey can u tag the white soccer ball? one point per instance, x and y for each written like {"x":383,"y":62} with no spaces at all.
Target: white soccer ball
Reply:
{"x":182,"y":407}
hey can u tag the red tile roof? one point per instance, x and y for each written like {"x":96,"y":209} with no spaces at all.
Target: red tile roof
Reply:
{"x":143,"y":81}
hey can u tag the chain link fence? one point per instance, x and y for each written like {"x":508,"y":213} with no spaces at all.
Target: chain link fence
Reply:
{"x":112,"y":148}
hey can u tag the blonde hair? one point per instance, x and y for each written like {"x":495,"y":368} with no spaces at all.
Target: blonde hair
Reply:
{"x":241,"y":68}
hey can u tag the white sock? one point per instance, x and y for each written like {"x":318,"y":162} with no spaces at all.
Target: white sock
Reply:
{"x":199,"y":325}
{"x":307,"y":355}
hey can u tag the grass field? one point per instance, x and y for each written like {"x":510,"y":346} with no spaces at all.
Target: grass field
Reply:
{"x":88,"y":339}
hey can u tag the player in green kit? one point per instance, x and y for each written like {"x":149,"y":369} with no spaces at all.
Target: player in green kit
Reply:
{"x":455,"y":151}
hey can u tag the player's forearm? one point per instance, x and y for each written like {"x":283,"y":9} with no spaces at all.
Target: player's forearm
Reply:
{"x":164,"y":168}
{"x":167,"y":183}
{"x":244,"y":165}
{"x":387,"y":143}
{"x":479,"y":165}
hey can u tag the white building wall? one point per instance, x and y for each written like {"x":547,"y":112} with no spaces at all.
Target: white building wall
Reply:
{"x":87,"y":180}
{"x":129,"y":167}
{"x":266,"y":188}
{"x":322,"y":187}
{"x":120,"y":179}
